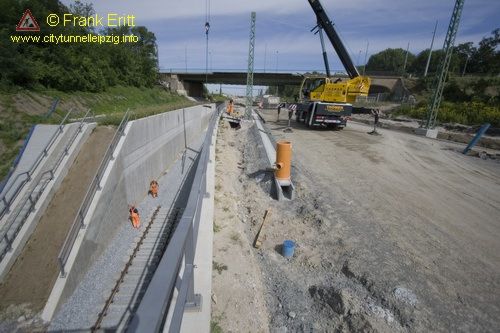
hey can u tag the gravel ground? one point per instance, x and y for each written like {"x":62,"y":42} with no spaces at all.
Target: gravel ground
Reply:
{"x":394,"y":233}
{"x":82,"y":308}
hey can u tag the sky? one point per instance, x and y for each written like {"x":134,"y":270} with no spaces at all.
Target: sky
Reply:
{"x":283,"y":38}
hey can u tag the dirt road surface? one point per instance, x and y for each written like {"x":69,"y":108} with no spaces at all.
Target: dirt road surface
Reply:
{"x":394,"y":233}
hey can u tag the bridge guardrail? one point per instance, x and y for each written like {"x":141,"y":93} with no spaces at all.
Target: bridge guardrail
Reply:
{"x":155,"y":304}
{"x":26,"y":176}
{"x":95,"y":185}
{"x":31,"y":200}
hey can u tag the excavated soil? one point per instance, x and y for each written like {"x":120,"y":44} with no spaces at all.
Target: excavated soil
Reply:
{"x":393,"y":233}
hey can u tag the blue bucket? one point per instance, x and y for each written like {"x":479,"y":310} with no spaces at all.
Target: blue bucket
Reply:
{"x":288,"y":248}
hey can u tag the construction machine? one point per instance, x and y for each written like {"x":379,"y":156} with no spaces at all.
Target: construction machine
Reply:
{"x":326,"y":100}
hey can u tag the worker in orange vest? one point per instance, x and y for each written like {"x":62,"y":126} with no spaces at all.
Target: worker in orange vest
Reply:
{"x":134,"y":217}
{"x":230,"y":106}
{"x":153,"y":188}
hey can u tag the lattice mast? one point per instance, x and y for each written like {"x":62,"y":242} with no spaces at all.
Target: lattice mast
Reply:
{"x":445,"y":64}
{"x":251,"y":48}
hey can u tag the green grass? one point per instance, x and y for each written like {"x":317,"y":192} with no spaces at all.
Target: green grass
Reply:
{"x":466,"y":113}
{"x":214,"y":324}
{"x":217,"y":227}
{"x":214,"y":327}
{"x":219,"y":267}
{"x":466,"y":100}
{"x":235,"y":237}
{"x":218,"y":98}
{"x":114,"y":102}
{"x":109,"y":105}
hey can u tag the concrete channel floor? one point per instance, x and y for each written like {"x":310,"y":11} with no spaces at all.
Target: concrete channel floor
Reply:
{"x":31,"y":278}
{"x":81,"y":310}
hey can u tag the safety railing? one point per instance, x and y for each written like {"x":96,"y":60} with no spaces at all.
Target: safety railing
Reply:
{"x":14,"y":224}
{"x":16,"y":160}
{"x":94,"y":186}
{"x":157,"y":300}
{"x":15,"y":186}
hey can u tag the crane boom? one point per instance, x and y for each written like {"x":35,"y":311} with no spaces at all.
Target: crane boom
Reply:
{"x":324,"y":100}
{"x":327,"y":25}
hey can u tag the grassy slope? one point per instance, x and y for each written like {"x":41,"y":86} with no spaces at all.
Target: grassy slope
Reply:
{"x":21,"y":109}
{"x":466,"y":113}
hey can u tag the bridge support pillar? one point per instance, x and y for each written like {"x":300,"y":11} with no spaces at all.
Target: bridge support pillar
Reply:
{"x":185,"y":88}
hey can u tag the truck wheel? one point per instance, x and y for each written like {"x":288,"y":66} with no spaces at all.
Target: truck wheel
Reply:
{"x":307,"y":120}
{"x":335,"y":127}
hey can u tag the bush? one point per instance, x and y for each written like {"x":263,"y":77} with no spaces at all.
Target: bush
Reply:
{"x":466,"y":113}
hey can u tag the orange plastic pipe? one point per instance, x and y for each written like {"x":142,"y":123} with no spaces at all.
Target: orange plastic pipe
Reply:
{"x":283,"y":160}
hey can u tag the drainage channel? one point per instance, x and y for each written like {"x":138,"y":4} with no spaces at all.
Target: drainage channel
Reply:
{"x":138,"y":270}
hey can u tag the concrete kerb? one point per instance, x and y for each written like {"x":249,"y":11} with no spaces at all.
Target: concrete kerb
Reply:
{"x":44,"y":200}
{"x":200,"y":321}
{"x":282,"y":191}
{"x":430,"y":133}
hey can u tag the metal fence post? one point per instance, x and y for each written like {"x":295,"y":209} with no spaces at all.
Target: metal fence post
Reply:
{"x":32,"y":204}
{"x":8,"y":248}
{"x":82,"y":225}
{"x":193,"y":301}
{"x":98,"y":182}
{"x":61,"y":268}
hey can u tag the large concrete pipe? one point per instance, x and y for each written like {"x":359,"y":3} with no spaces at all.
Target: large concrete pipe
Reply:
{"x":283,"y":161}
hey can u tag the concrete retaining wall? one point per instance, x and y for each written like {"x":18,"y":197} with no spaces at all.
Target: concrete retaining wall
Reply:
{"x":148,"y":148}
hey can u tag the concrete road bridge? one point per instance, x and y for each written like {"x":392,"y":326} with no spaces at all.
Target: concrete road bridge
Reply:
{"x":191,"y":83}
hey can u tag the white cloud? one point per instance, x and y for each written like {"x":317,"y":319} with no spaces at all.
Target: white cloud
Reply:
{"x":284,"y":26}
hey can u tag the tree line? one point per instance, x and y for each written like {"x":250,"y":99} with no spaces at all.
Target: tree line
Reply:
{"x":72,"y":66}
{"x":481,"y":59}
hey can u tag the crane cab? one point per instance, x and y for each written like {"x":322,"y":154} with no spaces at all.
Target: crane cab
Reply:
{"x":327,"y":101}
{"x":334,"y":89}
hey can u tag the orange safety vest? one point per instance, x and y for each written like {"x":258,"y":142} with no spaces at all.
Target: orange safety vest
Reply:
{"x":136,"y":221}
{"x":230,"y":108}
{"x":154,"y":189}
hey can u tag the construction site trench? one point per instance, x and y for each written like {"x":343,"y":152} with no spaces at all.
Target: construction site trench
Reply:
{"x":393,"y":233}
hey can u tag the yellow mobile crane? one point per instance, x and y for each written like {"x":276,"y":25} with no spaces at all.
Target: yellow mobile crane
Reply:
{"x":327,"y":100}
